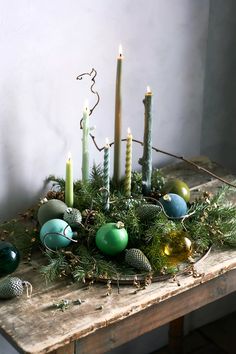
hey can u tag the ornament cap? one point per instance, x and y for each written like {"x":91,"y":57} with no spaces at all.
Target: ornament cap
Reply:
{"x":120,"y":225}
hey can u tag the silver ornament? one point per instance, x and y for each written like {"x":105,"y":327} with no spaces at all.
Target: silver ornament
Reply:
{"x":12,"y":287}
{"x":72,"y":216}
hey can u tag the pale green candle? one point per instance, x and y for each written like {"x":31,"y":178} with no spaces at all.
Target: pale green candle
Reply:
{"x":146,"y":160}
{"x":85,"y":144}
{"x":69,"y":192}
{"x":128,"y":164}
{"x":118,"y":122}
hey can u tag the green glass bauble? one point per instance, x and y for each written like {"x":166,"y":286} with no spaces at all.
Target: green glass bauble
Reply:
{"x":179,"y":187}
{"x":52,"y":209}
{"x":9,"y":258}
{"x":112,"y":238}
{"x":53,"y":232}
{"x":178,"y":248}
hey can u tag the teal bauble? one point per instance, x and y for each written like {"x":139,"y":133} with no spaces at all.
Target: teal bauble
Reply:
{"x":53,"y":232}
{"x":179,"y":187}
{"x":112,"y":238}
{"x":52,"y":209}
{"x":174,"y":205}
{"x":9,"y":258}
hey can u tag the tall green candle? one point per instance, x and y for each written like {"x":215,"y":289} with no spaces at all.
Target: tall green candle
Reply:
{"x":106,"y":175}
{"x":128,"y":164}
{"x":146,"y":160}
{"x":69,"y":193}
{"x":118,"y":121}
{"x":85,"y":144}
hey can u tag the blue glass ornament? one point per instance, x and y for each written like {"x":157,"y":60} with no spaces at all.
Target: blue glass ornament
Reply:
{"x":9,"y":258}
{"x":55,"y":234}
{"x":174,"y":205}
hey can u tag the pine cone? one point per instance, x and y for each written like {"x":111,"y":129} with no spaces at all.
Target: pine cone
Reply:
{"x":11,"y":287}
{"x":148,"y":212}
{"x":137,"y":259}
{"x":55,"y":195}
{"x":72,"y":216}
{"x":89,"y":215}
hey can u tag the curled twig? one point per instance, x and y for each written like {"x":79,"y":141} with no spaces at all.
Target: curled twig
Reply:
{"x":92,"y":74}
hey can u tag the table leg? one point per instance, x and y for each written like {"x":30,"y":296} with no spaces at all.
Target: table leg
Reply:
{"x":67,"y":349}
{"x":176,"y":334}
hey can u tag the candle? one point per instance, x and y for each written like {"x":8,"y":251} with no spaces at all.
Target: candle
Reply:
{"x":106,"y":175}
{"x":85,"y":144}
{"x":69,"y":193}
{"x":118,"y":121}
{"x":128,"y":164}
{"x":146,"y":160}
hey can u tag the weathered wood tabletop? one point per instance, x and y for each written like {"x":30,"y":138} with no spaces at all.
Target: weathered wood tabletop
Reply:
{"x":102,"y":322}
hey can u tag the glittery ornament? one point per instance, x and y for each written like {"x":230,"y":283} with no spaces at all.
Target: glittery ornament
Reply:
{"x":73,"y":217}
{"x":9,"y":258}
{"x":148,"y":212}
{"x":12,"y":286}
{"x":137,"y":259}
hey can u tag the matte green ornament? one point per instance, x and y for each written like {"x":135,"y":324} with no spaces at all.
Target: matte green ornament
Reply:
{"x":52,"y":209}
{"x":112,"y":238}
{"x":9,"y":258}
{"x":179,"y":187}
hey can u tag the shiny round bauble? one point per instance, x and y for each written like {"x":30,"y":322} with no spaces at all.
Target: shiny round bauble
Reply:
{"x":52,"y":209}
{"x":112,"y":238}
{"x":178,"y":248}
{"x":9,"y":258}
{"x":179,"y":187}
{"x":53,"y":232}
{"x":174,"y":205}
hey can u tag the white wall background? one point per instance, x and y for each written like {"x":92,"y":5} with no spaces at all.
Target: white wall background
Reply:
{"x":168,"y":44}
{"x":44,"y":45}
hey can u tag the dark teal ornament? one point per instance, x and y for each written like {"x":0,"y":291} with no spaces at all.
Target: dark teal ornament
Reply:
{"x":55,"y":234}
{"x":9,"y":258}
{"x":174,"y":205}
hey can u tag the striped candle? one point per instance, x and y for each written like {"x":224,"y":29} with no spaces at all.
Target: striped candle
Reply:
{"x":128,"y":164}
{"x":106,"y":175}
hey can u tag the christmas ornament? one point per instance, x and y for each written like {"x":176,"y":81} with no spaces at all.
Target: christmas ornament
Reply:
{"x":12,"y":286}
{"x":179,"y":187}
{"x":178,"y":249}
{"x":73,"y":217}
{"x":137,"y":259}
{"x":9,"y":258}
{"x":51,"y":209}
{"x":148,"y":212}
{"x":174,"y":205}
{"x":112,"y":238}
{"x":56,"y":233}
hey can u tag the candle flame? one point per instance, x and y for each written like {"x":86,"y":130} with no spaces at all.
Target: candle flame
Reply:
{"x":120,"y":50}
{"x":86,"y":105}
{"x":128,"y":131}
{"x":107,"y":141}
{"x":69,"y":155}
{"x":148,"y":89}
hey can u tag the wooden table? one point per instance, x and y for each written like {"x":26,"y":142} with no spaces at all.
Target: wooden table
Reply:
{"x":102,"y":322}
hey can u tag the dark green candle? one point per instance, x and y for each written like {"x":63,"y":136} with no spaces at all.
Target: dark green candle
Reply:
{"x":146,"y":160}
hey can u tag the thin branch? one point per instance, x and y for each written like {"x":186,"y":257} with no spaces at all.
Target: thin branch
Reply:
{"x":200,"y":168}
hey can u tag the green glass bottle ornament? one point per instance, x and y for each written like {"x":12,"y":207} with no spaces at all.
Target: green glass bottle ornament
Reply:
{"x":112,"y":238}
{"x":9,"y":258}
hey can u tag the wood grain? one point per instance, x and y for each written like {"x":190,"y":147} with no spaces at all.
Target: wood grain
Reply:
{"x":101,"y":322}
